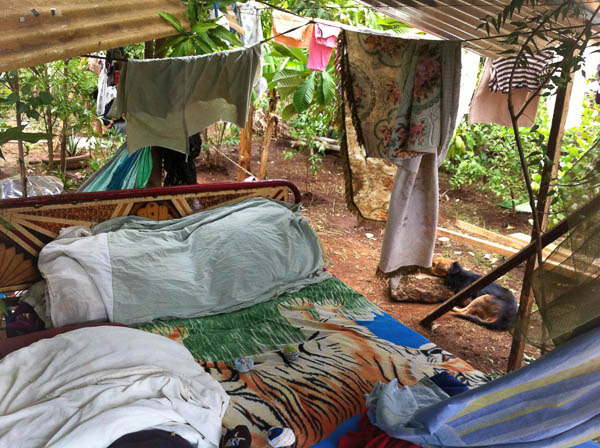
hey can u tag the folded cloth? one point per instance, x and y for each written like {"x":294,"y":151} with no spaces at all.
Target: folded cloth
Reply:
{"x":284,"y":22}
{"x":167,"y":100}
{"x":322,"y":43}
{"x":89,"y":387}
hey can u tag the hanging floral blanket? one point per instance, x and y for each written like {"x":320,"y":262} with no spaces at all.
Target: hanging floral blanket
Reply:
{"x":400,"y":103}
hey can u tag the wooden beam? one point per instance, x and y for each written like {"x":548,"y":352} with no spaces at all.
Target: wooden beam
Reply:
{"x":504,"y":240}
{"x":557,"y":231}
{"x":559,"y":118}
{"x":489,"y":246}
{"x":491,"y":236}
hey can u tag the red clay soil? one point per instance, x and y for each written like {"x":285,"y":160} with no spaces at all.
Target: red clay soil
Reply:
{"x":354,"y":257}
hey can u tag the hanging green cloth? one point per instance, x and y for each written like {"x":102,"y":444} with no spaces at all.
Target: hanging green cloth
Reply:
{"x":122,"y":172}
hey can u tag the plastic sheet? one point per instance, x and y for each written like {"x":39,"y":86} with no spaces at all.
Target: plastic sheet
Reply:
{"x":36,"y":186}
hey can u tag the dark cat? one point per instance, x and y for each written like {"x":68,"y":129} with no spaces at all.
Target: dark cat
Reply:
{"x":493,"y":307}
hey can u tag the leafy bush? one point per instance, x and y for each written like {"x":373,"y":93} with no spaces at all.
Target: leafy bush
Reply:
{"x":487,"y":154}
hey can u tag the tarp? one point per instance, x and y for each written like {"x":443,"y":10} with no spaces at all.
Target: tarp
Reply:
{"x":552,"y":402}
{"x":39,"y":31}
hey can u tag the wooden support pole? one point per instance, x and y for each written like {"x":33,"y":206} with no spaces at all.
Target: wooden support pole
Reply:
{"x":245,"y":152}
{"x":65,"y":127}
{"x":271,"y":123}
{"x":155,"y":179}
{"x":557,"y":231}
{"x":549,"y":172}
{"x":23,"y":173}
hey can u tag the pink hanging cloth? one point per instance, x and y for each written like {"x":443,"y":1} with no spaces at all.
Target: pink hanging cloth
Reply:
{"x":322,"y":42}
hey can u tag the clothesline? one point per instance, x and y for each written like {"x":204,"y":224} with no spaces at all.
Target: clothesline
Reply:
{"x":258,"y":43}
{"x":232,"y":161}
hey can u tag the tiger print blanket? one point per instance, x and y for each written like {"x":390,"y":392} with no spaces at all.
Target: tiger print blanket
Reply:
{"x":344,"y":350}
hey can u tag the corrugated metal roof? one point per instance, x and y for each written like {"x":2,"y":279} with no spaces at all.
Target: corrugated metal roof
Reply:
{"x":77,"y":27}
{"x":458,"y":19}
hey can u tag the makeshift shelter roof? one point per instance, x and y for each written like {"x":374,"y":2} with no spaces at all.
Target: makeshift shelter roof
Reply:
{"x":460,"y":19}
{"x":40,"y":31}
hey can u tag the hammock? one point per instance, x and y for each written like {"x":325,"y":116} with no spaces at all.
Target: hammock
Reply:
{"x":121,"y":172}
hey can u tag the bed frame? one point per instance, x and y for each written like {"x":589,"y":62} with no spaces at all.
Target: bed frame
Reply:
{"x":26,"y":225}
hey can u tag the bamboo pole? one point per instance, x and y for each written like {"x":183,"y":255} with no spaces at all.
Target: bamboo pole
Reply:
{"x":549,"y":172}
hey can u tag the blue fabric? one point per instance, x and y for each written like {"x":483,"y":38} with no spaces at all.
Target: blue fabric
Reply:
{"x":449,"y":384}
{"x":386,"y":327}
{"x":100,"y":179}
{"x":120,"y":172}
{"x":549,"y":403}
{"x":120,"y":176}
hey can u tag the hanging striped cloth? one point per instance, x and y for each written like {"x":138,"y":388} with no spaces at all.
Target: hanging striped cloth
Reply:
{"x":529,"y":76}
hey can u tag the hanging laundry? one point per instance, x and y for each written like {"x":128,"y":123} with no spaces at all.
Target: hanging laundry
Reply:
{"x":403,"y":97}
{"x":468,"y":81}
{"x":284,"y":22}
{"x":492,"y":107}
{"x":123,"y":171}
{"x":528,"y":77}
{"x":249,"y":18}
{"x":106,"y":93}
{"x":167,"y":100}
{"x":322,"y":43}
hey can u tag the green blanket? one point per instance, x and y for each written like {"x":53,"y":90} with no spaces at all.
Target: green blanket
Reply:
{"x":137,"y":270}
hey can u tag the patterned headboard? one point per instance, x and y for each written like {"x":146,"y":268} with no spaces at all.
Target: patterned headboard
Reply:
{"x":26,"y":225}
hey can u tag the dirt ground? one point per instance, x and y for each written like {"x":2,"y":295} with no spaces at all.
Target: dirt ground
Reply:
{"x":353,"y":256}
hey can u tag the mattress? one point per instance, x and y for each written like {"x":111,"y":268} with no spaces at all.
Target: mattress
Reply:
{"x":346,"y":345}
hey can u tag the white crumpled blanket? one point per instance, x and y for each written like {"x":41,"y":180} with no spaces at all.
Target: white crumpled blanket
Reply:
{"x":88,"y":387}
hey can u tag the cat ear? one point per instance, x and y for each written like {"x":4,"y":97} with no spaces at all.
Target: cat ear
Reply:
{"x":455,"y":268}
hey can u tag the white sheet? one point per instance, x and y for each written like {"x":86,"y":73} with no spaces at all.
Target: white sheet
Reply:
{"x":77,"y":291}
{"x":88,"y":387}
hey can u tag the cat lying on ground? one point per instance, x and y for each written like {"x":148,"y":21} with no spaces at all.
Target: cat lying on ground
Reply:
{"x":493,"y":307}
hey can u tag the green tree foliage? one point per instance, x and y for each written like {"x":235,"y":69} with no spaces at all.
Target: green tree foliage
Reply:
{"x":23,"y":100}
{"x":486,"y":154}
{"x":200,"y":35}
